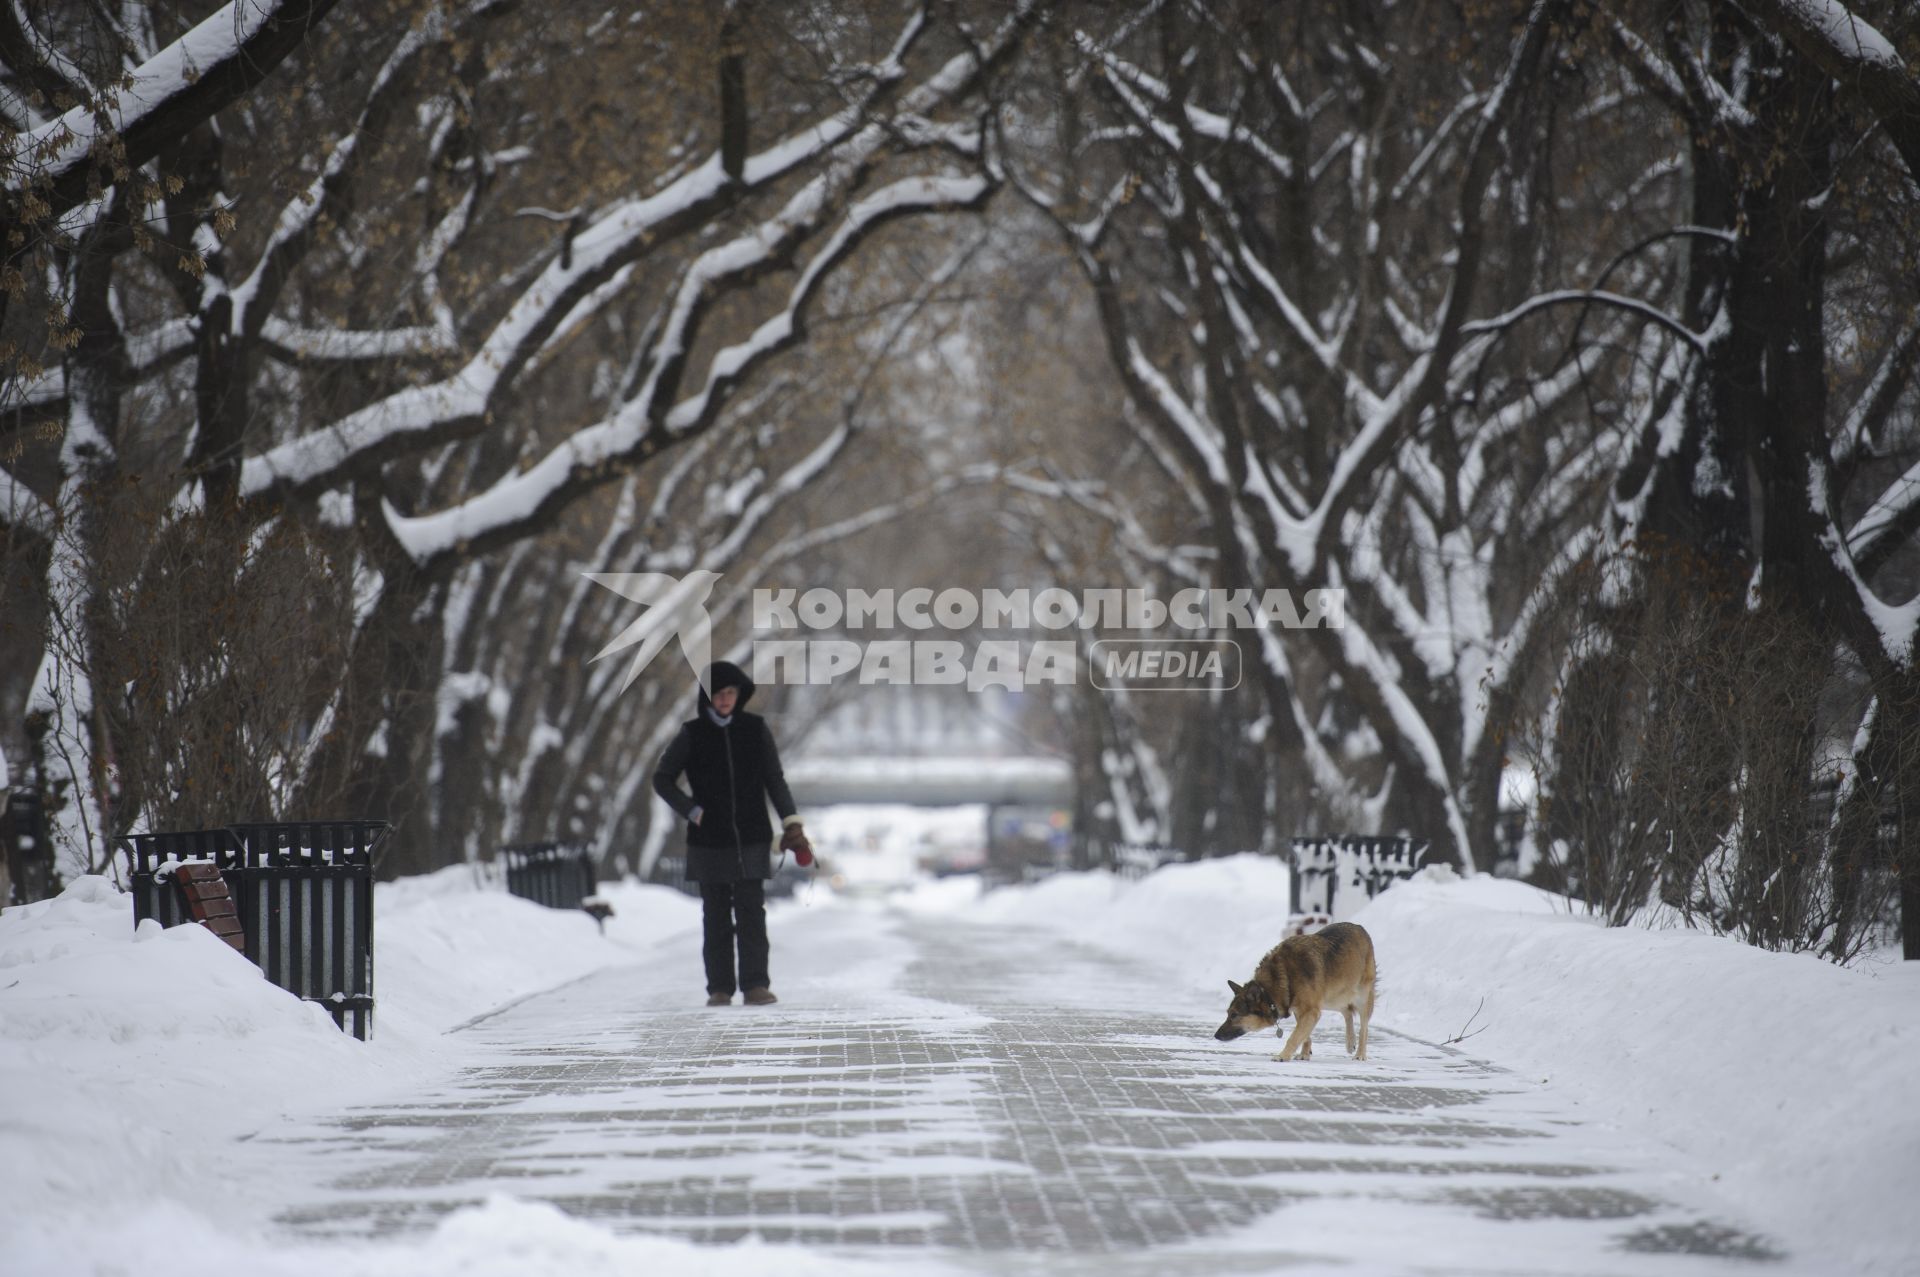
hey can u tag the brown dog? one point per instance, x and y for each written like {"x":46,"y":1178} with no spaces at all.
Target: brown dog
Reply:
{"x":1303,"y":976}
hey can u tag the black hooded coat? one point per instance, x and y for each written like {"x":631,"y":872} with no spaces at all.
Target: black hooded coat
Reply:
{"x":733,"y":772}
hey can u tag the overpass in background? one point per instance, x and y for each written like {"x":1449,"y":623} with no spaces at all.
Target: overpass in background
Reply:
{"x":935,"y":747}
{"x":942,"y":781}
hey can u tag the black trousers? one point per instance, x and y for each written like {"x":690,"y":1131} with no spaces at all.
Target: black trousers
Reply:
{"x":735,"y":910}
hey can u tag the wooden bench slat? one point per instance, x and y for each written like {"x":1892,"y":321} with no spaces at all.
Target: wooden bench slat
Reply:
{"x":210,"y":902}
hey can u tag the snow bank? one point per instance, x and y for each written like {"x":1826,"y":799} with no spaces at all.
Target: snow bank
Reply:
{"x":1784,"y":1078}
{"x":450,"y":947}
{"x":74,"y":969}
{"x":129,"y":1059}
{"x":505,"y":1237}
{"x":1202,"y":923}
{"x":114,"y":1043}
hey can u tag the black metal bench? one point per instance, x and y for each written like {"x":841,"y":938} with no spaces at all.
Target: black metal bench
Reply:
{"x":1325,"y":865}
{"x":556,"y":874}
{"x":302,"y":894}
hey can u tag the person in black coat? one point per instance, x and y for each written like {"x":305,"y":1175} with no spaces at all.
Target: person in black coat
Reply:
{"x":731,"y":764}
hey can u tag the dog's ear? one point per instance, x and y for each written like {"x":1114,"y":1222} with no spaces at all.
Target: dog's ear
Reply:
{"x":1234,"y":987}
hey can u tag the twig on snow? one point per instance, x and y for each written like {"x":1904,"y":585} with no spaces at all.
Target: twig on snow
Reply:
{"x":1463,"y":1035}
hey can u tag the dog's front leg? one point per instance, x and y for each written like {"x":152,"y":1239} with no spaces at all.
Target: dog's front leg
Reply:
{"x":1300,"y":1041}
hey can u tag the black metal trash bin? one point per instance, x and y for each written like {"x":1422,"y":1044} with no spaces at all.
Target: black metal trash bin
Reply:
{"x":304,"y":894}
{"x":556,"y":874}
{"x":1324,"y":866}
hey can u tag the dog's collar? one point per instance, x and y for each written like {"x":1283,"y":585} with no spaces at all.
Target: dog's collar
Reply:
{"x":1272,"y":1005}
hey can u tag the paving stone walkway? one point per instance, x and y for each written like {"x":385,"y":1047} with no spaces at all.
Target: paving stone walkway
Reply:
{"x":1023,"y":1105}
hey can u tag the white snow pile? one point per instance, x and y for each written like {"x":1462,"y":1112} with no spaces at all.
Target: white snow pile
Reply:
{"x":129,"y":1059}
{"x":1784,"y":1078}
{"x":449,"y":948}
{"x":506,"y":1237}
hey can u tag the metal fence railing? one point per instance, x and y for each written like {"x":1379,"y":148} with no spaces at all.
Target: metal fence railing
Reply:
{"x":670,"y":870}
{"x":302,"y":891}
{"x":556,"y":874}
{"x":1327,"y":867}
{"x":1134,"y":862}
{"x":26,"y":853}
{"x":1039,"y":872}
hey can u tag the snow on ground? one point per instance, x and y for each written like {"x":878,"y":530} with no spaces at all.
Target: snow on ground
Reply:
{"x":1784,"y":1078}
{"x":114,"y":1041}
{"x":1787,"y":1079}
{"x":506,"y":1237}
{"x":450,"y":946}
{"x":130,"y":1060}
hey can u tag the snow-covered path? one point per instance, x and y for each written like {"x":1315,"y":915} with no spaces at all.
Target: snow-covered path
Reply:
{"x":959,"y":1094}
